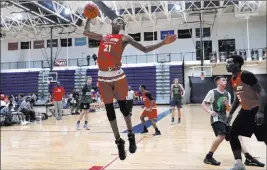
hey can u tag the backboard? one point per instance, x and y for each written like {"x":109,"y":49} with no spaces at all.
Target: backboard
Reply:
{"x":202,"y":71}
{"x":50,"y":77}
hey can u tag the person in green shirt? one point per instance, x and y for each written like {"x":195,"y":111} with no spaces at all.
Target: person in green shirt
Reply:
{"x":85,"y":103}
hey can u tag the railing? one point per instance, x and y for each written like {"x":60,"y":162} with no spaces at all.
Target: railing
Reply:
{"x":132,"y":59}
{"x":129,"y":59}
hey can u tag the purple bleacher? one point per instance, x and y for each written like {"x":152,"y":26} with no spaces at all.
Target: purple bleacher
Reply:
{"x":19,"y":82}
{"x":176,"y":71}
{"x":135,"y":77}
{"x":66,"y":79}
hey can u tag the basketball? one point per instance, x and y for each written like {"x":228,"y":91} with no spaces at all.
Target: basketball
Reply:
{"x":91,"y":11}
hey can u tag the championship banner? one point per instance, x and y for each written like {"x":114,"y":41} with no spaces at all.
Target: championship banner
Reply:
{"x":13,"y":46}
{"x":80,"y":41}
{"x":38,"y":44}
{"x":136,"y":37}
{"x":148,"y":36}
{"x":25,"y":45}
{"x":165,"y":33}
{"x":61,"y":62}
{"x":54,"y":43}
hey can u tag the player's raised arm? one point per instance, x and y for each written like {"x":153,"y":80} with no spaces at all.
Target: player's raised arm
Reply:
{"x":168,"y":40}
{"x":90,"y":34}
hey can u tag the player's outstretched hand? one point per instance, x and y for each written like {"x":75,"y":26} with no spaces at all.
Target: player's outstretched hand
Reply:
{"x":259,"y":118}
{"x":169,"y":39}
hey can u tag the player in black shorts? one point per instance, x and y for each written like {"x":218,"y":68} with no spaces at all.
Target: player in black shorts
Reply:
{"x":85,"y":103}
{"x":251,"y":118}
{"x":177,"y":93}
{"x":220,"y":101}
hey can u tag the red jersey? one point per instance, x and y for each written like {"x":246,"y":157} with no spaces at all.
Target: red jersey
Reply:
{"x":147,"y":97}
{"x":110,"y":52}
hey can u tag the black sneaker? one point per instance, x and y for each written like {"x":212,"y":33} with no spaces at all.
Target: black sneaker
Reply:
{"x":179,"y":121}
{"x":211,"y":161}
{"x":132,"y":143}
{"x":120,"y":143}
{"x":145,"y":131}
{"x":157,"y":133}
{"x":253,"y":162}
{"x":172,"y":120}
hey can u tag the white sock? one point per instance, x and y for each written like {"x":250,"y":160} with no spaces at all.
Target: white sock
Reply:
{"x":238,"y":161}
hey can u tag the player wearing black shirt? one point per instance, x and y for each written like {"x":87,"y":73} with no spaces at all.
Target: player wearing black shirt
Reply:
{"x":250,"y":119}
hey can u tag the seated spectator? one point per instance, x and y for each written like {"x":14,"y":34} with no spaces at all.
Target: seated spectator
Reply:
{"x":20,"y":99}
{"x":27,"y":110}
{"x":3,"y":103}
{"x":9,"y":112}
{"x":12,"y":100}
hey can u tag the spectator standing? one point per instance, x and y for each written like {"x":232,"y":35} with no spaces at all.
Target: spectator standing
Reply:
{"x":130,"y":99}
{"x":58,"y":94}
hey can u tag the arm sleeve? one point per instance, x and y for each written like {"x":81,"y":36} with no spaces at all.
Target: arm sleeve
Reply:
{"x":209,"y":97}
{"x":149,"y":95}
{"x":249,"y":78}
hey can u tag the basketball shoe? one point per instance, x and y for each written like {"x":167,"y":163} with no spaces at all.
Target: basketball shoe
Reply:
{"x":253,"y":162}
{"x":132,"y":143}
{"x":121,"y":148}
{"x":238,"y":167}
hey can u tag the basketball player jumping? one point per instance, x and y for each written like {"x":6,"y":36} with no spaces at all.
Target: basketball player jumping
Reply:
{"x":220,"y":100}
{"x":111,"y":78}
{"x":85,"y":103}
{"x":251,"y":119}
{"x":177,"y":92}
{"x":150,"y":110}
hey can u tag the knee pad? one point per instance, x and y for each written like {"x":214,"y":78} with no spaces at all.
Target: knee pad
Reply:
{"x":110,"y":112}
{"x":123,"y":108}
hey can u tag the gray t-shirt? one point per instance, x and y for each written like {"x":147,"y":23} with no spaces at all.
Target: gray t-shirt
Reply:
{"x":216,"y":100}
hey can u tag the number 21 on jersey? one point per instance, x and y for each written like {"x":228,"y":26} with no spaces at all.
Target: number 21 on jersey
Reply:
{"x":107,"y":48}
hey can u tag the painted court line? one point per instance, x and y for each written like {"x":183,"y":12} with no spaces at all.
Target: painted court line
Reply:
{"x":139,"y":127}
{"x":51,"y":131}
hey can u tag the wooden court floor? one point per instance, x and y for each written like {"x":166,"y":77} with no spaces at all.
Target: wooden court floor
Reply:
{"x":55,"y":144}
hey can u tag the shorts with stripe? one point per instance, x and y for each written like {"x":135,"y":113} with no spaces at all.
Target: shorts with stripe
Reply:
{"x":112,"y":84}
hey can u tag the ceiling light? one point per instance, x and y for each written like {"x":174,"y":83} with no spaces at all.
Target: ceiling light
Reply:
{"x":18,"y":16}
{"x":177,"y":7}
{"x":67,"y":11}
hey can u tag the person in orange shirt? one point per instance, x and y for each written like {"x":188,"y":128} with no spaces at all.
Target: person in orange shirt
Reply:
{"x":58,"y":94}
{"x":150,"y":110}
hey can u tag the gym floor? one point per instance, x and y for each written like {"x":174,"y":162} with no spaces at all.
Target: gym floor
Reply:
{"x":52,"y":144}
